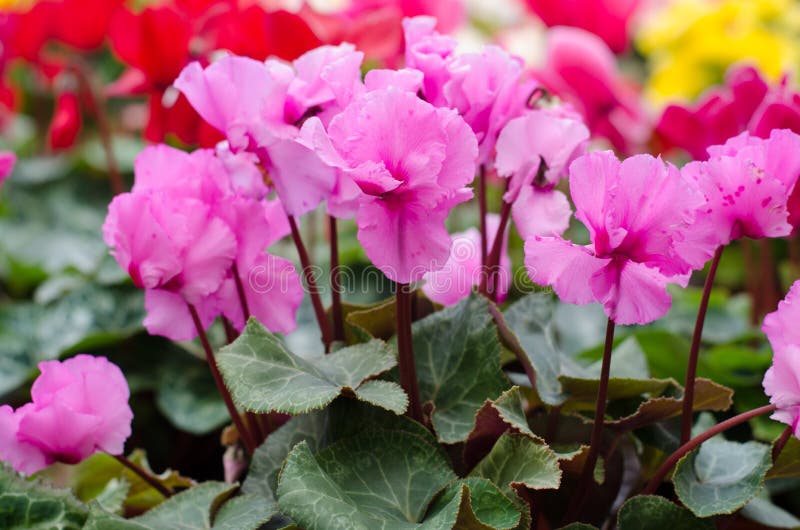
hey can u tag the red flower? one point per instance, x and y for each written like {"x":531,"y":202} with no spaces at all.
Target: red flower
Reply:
{"x":66,"y":122}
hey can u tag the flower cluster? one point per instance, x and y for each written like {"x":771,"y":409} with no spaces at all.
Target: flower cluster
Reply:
{"x":79,"y":406}
{"x":192,"y":233}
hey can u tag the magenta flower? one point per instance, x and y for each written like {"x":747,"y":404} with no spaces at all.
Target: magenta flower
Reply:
{"x":575,"y":60}
{"x":80,"y":406}
{"x":608,"y":19}
{"x":535,"y":151}
{"x":463,"y":270}
{"x":782,"y":379}
{"x":780,"y":325}
{"x":748,"y":184}
{"x":744,"y":103}
{"x":412,"y":162}
{"x":636,"y":211}
{"x":7,"y":161}
{"x":487,"y":88}
{"x":201,"y":226}
{"x":248,"y":101}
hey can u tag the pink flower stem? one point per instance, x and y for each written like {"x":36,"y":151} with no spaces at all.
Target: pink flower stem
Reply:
{"x":97,"y":103}
{"x":781,"y":442}
{"x":405,"y":351}
{"x":247,"y":439}
{"x":144,"y":475}
{"x":482,"y":206}
{"x":240,"y":291}
{"x":493,"y":261}
{"x":596,"y":439}
{"x":697,"y":440}
{"x":336,"y":288}
{"x":311,"y":283}
{"x":691,"y":367}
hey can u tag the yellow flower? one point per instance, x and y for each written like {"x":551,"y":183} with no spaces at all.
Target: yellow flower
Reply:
{"x":14,"y":5}
{"x":691,"y":43}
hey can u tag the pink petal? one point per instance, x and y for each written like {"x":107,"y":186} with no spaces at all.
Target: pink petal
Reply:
{"x":564,"y":266}
{"x":780,"y":326}
{"x":589,"y":175}
{"x":390,"y":234}
{"x":631,"y":292}
{"x":7,"y":161}
{"x":538,"y":212}
{"x":209,"y":258}
{"x":407,"y":79}
{"x":273,"y":290}
{"x":460,"y":163}
{"x":168,"y":315}
{"x":63,"y":434}
{"x":22,"y":456}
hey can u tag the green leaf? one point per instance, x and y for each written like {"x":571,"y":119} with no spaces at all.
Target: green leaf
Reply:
{"x":88,"y":318}
{"x":572,"y":459}
{"x":384,"y":394}
{"x":519,"y":460}
{"x":721,"y":476}
{"x":727,"y":318}
{"x":188,"y":397}
{"x":100,"y":519}
{"x":650,"y":512}
{"x":457,"y":355}
{"x":578,"y":526}
{"x":708,"y":395}
{"x":189,"y":510}
{"x":530,"y":319}
{"x":788,"y":463}
{"x":264,"y":376}
{"x":483,"y":506}
{"x":113,"y":496}
{"x":378,"y":479}
{"x":26,"y":505}
{"x":761,"y":510}
{"x":245,"y":512}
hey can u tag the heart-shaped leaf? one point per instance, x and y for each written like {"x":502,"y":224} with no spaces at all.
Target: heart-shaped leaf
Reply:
{"x":30,"y":504}
{"x":245,"y":512}
{"x":189,"y":510}
{"x":519,"y":460}
{"x":263,"y":376}
{"x":650,"y":512}
{"x":721,"y":476}
{"x":457,"y":355}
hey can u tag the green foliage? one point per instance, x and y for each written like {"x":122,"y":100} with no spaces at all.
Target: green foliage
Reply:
{"x":519,"y":460}
{"x":189,"y":510}
{"x":721,"y":476}
{"x":457,"y":354}
{"x":263,"y":376}
{"x":649,"y":512}
{"x":28,"y":505}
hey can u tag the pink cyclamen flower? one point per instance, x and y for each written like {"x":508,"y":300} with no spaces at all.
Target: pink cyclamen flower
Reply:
{"x":749,"y":187}
{"x":463,"y":270}
{"x":248,"y":101}
{"x":636,"y":211}
{"x":412,"y":162}
{"x":7,"y":161}
{"x":782,"y":379}
{"x":487,"y":88}
{"x":782,"y":385}
{"x":80,"y":406}
{"x":575,"y":60}
{"x":608,"y":19}
{"x":201,"y":225}
{"x":535,"y":151}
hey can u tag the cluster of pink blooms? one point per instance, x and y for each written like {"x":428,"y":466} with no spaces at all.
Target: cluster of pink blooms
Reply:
{"x":782,"y":380}
{"x":79,"y":407}
{"x":193,"y":231}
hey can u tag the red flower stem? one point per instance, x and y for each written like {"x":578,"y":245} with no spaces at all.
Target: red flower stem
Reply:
{"x":336,"y":288}
{"x":241,"y":292}
{"x":691,"y":367}
{"x":247,"y":439}
{"x":587,"y":472}
{"x":98,"y":103}
{"x":697,"y":440}
{"x":144,"y":475}
{"x":781,"y":442}
{"x":405,"y":351}
{"x":489,"y":277}
{"x":230,"y":332}
{"x":483,"y":210}
{"x":311,"y":283}
{"x":254,"y":423}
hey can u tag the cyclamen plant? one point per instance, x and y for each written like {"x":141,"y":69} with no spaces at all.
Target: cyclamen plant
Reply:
{"x":443,"y":407}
